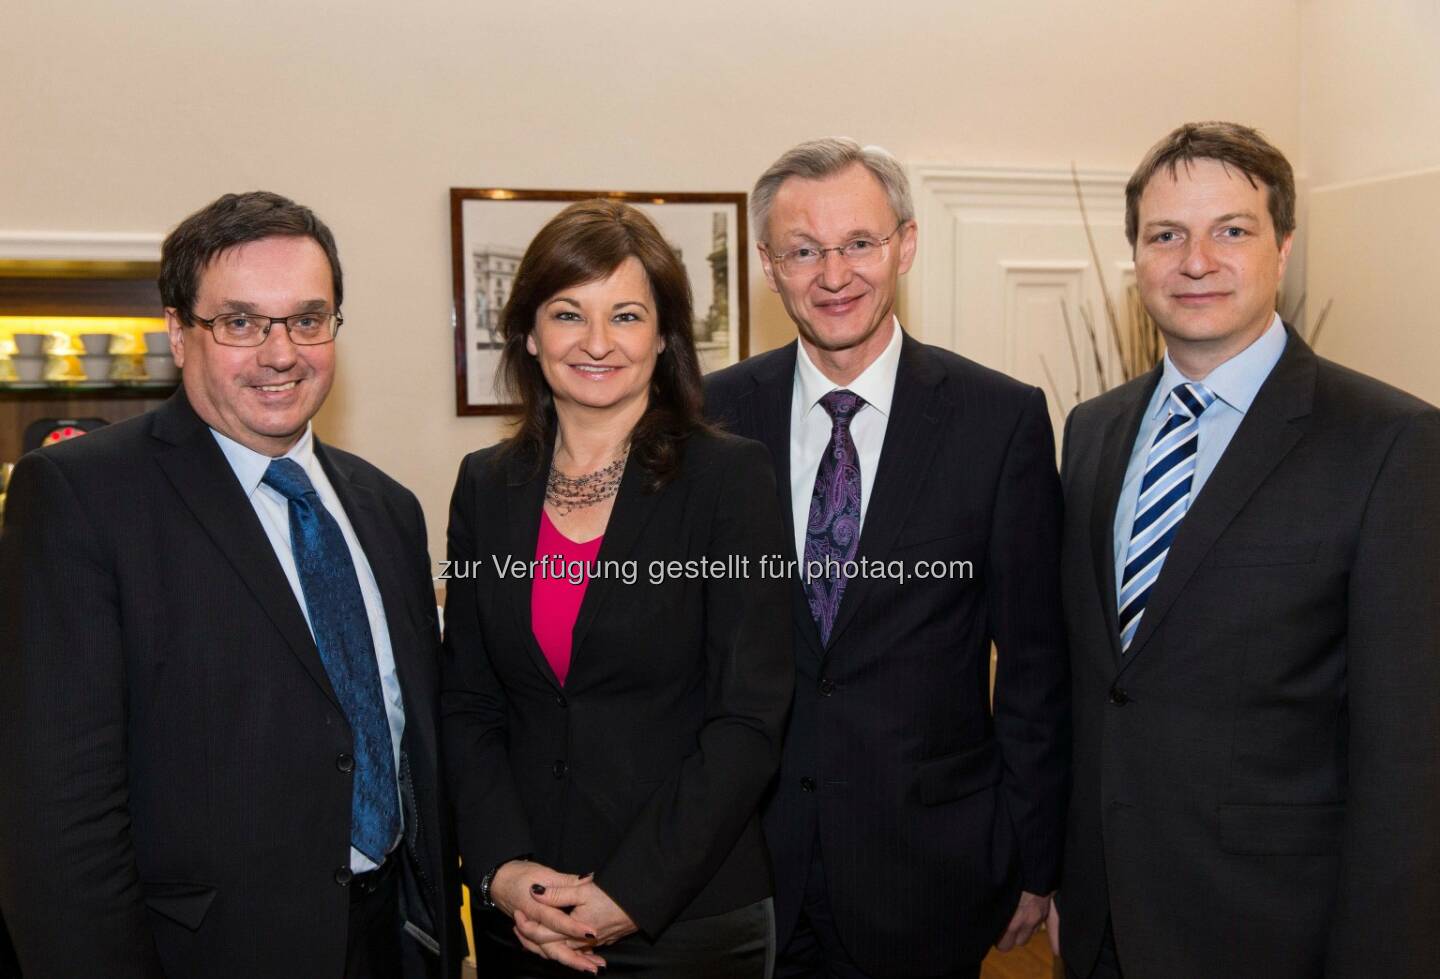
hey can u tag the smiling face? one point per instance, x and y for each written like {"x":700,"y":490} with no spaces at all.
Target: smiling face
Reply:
{"x":597,"y":342}
{"x":1207,"y":263}
{"x":262,"y":397}
{"x":835,"y":307}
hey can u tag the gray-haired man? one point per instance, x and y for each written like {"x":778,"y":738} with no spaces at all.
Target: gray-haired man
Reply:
{"x":912,"y":825}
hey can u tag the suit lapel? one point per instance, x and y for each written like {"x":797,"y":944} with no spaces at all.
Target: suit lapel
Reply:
{"x":905,"y":457}
{"x":765,"y":415}
{"x":524,"y":498}
{"x":1270,"y":429}
{"x":386,"y":559}
{"x":1116,"y":447}
{"x":202,"y":477}
{"x":634,"y":505}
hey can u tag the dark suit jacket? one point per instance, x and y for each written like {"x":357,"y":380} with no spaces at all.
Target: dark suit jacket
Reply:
{"x":648,"y":765}
{"x":1257,"y":787}
{"x":930,"y":810}
{"x":173,"y":799}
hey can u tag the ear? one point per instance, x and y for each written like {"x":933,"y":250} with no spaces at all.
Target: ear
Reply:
{"x":660,"y":345}
{"x":1285,"y":252}
{"x":176,"y":329}
{"x":530,"y":347}
{"x":909,"y":241}
{"x":768,"y":266}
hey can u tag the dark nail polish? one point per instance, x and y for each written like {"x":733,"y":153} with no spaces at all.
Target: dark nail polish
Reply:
{"x":537,"y":888}
{"x":589,"y":936}
{"x":587,"y":876}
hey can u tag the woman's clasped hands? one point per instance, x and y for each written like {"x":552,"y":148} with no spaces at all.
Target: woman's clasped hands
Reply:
{"x":559,"y":916}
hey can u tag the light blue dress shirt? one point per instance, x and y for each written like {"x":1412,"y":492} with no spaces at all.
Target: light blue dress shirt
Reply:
{"x":274,"y":513}
{"x":1235,"y":384}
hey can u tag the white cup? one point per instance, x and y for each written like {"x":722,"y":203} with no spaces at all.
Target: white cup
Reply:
{"x":97,"y":366}
{"x":29,"y":369}
{"x":30,"y":344}
{"x":160,"y":367}
{"x":157,"y":343}
{"x":95,"y":344}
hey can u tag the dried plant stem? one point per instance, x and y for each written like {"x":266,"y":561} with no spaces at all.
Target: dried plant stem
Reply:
{"x":1074,"y":352}
{"x":1089,"y":320}
{"x":1314,"y":337}
{"x":1293,"y":316}
{"x":1055,"y":388}
{"x":1110,"y":316}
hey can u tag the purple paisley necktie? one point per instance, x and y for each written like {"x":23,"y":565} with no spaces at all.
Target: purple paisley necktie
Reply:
{"x":832,"y":534}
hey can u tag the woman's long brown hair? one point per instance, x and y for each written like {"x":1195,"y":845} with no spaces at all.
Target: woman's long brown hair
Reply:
{"x":584,"y":243}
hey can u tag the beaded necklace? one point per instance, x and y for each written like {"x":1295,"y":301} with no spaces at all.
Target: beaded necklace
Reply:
{"x":570,"y":493}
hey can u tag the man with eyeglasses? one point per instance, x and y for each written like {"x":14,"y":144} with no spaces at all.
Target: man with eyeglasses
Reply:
{"x":218,"y":645}
{"x":912,"y":825}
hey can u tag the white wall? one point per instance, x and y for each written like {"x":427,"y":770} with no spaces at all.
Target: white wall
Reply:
{"x":125,"y":117}
{"x":1369,"y":101}
{"x":1370,"y":88}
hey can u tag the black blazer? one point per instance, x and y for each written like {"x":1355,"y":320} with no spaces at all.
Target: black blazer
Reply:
{"x":648,"y":765}
{"x":1257,"y":781}
{"x":931,"y":811}
{"x":175,"y":801}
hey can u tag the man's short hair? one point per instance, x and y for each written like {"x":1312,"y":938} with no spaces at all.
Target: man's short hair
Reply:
{"x":1231,"y":144}
{"x":820,"y":158}
{"x":231,"y":220}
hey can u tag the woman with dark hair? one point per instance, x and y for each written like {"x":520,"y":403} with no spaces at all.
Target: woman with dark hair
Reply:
{"x":618,"y":664}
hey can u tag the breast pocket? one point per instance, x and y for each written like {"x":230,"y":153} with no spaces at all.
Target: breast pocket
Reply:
{"x":1245,"y":554}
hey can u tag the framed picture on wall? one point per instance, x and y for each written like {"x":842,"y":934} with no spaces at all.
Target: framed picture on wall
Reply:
{"x":490,"y":229}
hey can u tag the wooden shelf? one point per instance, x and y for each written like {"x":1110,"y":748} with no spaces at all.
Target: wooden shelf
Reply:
{"x":76,"y":289}
{"x":87,"y":392}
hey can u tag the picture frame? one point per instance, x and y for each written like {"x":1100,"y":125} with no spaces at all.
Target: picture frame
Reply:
{"x":490,"y":229}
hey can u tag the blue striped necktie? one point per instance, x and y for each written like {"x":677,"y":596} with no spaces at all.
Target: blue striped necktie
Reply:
{"x":1164,"y":498}
{"x":342,"y":634}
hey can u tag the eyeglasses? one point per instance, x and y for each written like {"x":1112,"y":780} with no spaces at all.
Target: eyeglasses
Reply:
{"x":252,"y":330}
{"x":858,"y":253}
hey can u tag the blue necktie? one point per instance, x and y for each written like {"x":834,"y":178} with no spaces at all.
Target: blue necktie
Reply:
{"x":342,"y":634}
{"x":1163,"y":502}
{"x":832,"y":533}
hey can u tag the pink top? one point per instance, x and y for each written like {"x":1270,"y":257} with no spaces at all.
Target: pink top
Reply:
{"x":554,"y":600}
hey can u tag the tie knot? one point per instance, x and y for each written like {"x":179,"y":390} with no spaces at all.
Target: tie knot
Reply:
{"x":1192,"y":399}
{"x":287,"y":477}
{"x":842,"y":405}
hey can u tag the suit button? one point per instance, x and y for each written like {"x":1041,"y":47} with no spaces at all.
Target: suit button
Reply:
{"x":807,"y":784}
{"x":827,"y":687}
{"x":1119,"y":697}
{"x":343,"y":876}
{"x":560,"y":701}
{"x":345,"y":763}
{"x":558,"y":769}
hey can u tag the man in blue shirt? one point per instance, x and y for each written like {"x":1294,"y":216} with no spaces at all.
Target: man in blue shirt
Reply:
{"x":1252,"y":596}
{"x":220,"y":658}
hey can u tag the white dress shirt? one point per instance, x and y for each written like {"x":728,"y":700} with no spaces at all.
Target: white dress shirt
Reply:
{"x":810,"y":426}
{"x":274,"y":512}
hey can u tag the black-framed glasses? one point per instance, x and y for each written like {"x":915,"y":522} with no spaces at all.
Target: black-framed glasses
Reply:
{"x":859,"y":253}
{"x":252,"y":329}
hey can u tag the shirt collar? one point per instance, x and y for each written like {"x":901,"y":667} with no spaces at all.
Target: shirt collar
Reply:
{"x":250,"y":466}
{"x":1238,"y":380}
{"x":876,"y":383}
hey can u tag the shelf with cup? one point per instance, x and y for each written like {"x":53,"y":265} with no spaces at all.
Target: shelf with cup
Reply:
{"x":106,"y":390}
{"x":79,"y":340}
{"x":38,"y":352}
